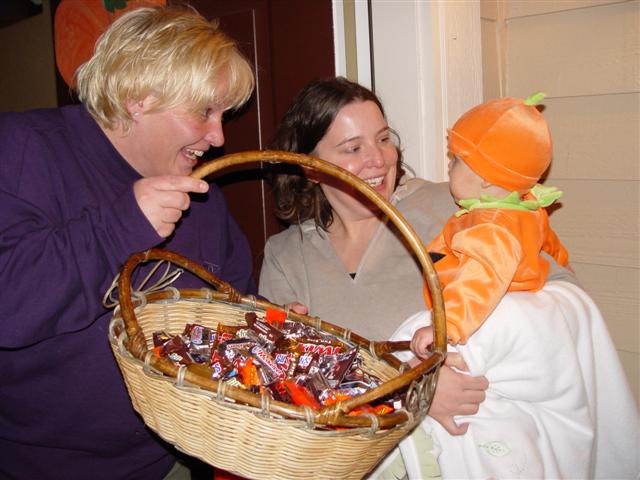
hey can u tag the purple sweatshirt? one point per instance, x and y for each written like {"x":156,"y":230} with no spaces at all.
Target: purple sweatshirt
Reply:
{"x":68,"y":221}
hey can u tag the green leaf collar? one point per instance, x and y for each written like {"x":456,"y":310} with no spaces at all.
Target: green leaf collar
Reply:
{"x":542,"y":197}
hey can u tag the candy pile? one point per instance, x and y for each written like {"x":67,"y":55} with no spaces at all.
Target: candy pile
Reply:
{"x":291,"y":361}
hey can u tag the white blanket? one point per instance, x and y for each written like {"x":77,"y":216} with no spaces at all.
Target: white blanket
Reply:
{"x":558,"y":403}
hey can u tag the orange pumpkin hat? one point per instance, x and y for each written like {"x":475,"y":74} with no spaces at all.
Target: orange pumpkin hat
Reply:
{"x":506,"y":141}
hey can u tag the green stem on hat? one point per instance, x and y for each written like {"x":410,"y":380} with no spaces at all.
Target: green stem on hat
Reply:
{"x":535,"y":99}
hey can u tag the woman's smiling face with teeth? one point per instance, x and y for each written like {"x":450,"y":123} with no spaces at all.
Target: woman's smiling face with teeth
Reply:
{"x":173,"y":140}
{"x":360,"y":141}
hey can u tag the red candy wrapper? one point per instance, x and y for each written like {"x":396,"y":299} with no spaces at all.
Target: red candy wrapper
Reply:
{"x":275,"y":318}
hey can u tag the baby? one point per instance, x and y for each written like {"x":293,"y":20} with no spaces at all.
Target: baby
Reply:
{"x":499,"y":150}
{"x":548,"y":357}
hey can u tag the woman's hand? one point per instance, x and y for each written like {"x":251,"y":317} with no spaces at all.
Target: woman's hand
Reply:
{"x":456,"y":394}
{"x":163,"y":199}
{"x":298,"y":308}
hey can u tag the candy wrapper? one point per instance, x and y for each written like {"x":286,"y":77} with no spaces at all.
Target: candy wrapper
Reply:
{"x":292,"y":362}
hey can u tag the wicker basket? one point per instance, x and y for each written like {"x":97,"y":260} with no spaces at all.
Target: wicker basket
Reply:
{"x":249,"y":434}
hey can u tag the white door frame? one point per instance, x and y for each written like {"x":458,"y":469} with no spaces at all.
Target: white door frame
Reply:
{"x":427,"y":68}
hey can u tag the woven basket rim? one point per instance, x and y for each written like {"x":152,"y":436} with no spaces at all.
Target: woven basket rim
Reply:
{"x":259,"y":412}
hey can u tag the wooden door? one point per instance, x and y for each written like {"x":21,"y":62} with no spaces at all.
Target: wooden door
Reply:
{"x":289,"y":43}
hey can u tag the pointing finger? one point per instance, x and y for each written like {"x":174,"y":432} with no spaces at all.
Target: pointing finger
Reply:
{"x":181,"y":184}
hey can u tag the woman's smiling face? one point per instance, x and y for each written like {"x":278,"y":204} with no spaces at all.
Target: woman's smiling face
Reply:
{"x":171,"y":141}
{"x":360,"y":141}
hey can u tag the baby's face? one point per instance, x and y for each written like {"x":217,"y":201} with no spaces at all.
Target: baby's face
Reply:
{"x":463,"y":182}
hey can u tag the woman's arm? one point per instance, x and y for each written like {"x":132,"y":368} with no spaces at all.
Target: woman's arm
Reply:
{"x":54,"y":273}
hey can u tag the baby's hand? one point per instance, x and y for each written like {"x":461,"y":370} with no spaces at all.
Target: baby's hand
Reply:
{"x":422,"y":341}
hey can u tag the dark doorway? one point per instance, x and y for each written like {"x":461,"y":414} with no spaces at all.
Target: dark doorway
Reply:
{"x":289,"y":42}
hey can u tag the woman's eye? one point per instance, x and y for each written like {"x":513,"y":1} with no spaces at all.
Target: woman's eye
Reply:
{"x":212,"y":112}
{"x":352,"y":149}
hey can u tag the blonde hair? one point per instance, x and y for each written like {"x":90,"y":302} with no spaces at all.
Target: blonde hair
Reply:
{"x":172,"y":53}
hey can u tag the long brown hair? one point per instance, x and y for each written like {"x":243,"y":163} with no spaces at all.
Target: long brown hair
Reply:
{"x":306,"y":122}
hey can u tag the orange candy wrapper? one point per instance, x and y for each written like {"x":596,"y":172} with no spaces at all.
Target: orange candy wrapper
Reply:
{"x":275,"y":317}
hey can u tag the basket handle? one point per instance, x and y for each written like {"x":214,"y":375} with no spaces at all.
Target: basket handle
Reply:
{"x":136,"y":343}
{"x":274,"y":156}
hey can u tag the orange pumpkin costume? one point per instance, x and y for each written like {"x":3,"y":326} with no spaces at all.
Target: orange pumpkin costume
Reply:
{"x":493,"y":246}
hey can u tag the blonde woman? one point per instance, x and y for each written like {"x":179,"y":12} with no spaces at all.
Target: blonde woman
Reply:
{"x":83,"y":187}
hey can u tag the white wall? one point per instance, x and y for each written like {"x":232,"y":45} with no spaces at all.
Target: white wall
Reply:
{"x":426,"y":67}
{"x":585,"y":54}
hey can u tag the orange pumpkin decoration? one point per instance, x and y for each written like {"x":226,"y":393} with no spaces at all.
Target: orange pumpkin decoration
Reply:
{"x":77,"y":26}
